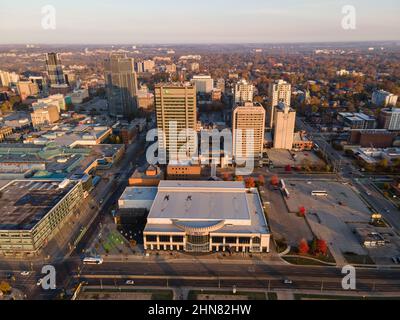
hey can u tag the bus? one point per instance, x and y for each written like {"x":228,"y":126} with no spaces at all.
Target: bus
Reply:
{"x":91,"y":260}
{"x":319,"y":193}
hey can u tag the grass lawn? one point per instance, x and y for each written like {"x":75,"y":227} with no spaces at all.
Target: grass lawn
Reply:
{"x":155,"y":294}
{"x":356,"y":259}
{"x":113,"y":241}
{"x":303,"y":261}
{"x":251,"y":295}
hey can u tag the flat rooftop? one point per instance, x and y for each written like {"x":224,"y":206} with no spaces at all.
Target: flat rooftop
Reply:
{"x":139,"y":193}
{"x":195,"y":200}
{"x":24,"y":203}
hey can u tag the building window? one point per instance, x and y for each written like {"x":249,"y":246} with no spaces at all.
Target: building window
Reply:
{"x":256,"y":240}
{"x":151,"y":238}
{"x":165,"y":239}
{"x":244,"y":240}
{"x":177,"y":239}
{"x":217,"y":240}
{"x":230,"y":240}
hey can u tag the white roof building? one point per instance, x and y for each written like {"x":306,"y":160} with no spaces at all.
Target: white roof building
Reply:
{"x":204,"y":216}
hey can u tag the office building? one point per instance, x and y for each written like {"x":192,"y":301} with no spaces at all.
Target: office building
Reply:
{"x":27,"y":89}
{"x":284,"y":125}
{"x":389,"y":119}
{"x":183,"y":171}
{"x":146,"y":66}
{"x":79,"y":96}
{"x":279,"y":91}
{"x":384,"y":99}
{"x":54,"y":69}
{"x":176,"y":112}
{"x":7,"y":79}
{"x":203,"y":217}
{"x":121,"y":85}
{"x":146,"y":177}
{"x":45,"y":115}
{"x":40,"y":81}
{"x":204,"y":84}
{"x":243,"y":92}
{"x":357,"y":120}
{"x":221,"y":85}
{"x":194,"y":67}
{"x":33,"y":212}
{"x":248,"y":127}
{"x":57,"y":100}
{"x":378,"y":138}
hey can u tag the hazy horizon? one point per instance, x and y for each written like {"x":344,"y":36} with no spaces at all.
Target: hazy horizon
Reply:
{"x":107,"y":22}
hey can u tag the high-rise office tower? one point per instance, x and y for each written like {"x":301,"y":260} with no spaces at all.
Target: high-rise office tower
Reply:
{"x":284,"y":125}
{"x":176,"y":112}
{"x":244,"y":92}
{"x":54,"y":69}
{"x":279,"y":91}
{"x":121,"y":85}
{"x":248,"y":123}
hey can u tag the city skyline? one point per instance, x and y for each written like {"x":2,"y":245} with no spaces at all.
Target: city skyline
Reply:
{"x":252,"y":22}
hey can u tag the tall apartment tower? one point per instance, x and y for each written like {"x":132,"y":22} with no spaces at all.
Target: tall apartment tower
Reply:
{"x":248,"y":123}
{"x":284,"y":125}
{"x":279,"y":91}
{"x":176,"y":112}
{"x":244,"y":92}
{"x":54,"y":69}
{"x":389,"y":119}
{"x":121,"y":85}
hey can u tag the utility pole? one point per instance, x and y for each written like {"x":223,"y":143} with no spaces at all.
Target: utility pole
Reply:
{"x":322,"y":286}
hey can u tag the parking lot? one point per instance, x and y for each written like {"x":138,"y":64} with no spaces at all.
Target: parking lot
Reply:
{"x":332,"y":217}
{"x":283,"y":158}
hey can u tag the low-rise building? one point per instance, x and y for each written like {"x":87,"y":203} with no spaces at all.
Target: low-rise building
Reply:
{"x":149,"y":177}
{"x":183,"y":171}
{"x":301,"y":142}
{"x":32,"y":212}
{"x":202,"y":217}
{"x":45,"y":115}
{"x":357,"y":120}
{"x":5,"y":132}
{"x":372,"y":138}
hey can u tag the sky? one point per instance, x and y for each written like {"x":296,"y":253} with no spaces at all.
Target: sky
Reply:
{"x":196,"y":21}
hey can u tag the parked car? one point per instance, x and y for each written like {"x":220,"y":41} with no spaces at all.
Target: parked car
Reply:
{"x":130,"y":282}
{"x":25,"y":273}
{"x":287,"y":281}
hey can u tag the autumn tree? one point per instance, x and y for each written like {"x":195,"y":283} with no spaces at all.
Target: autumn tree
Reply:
{"x":250,"y":182}
{"x":239,"y":178}
{"x":302,"y":211}
{"x":322,"y":247}
{"x":303,"y":247}
{"x":275,"y":181}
